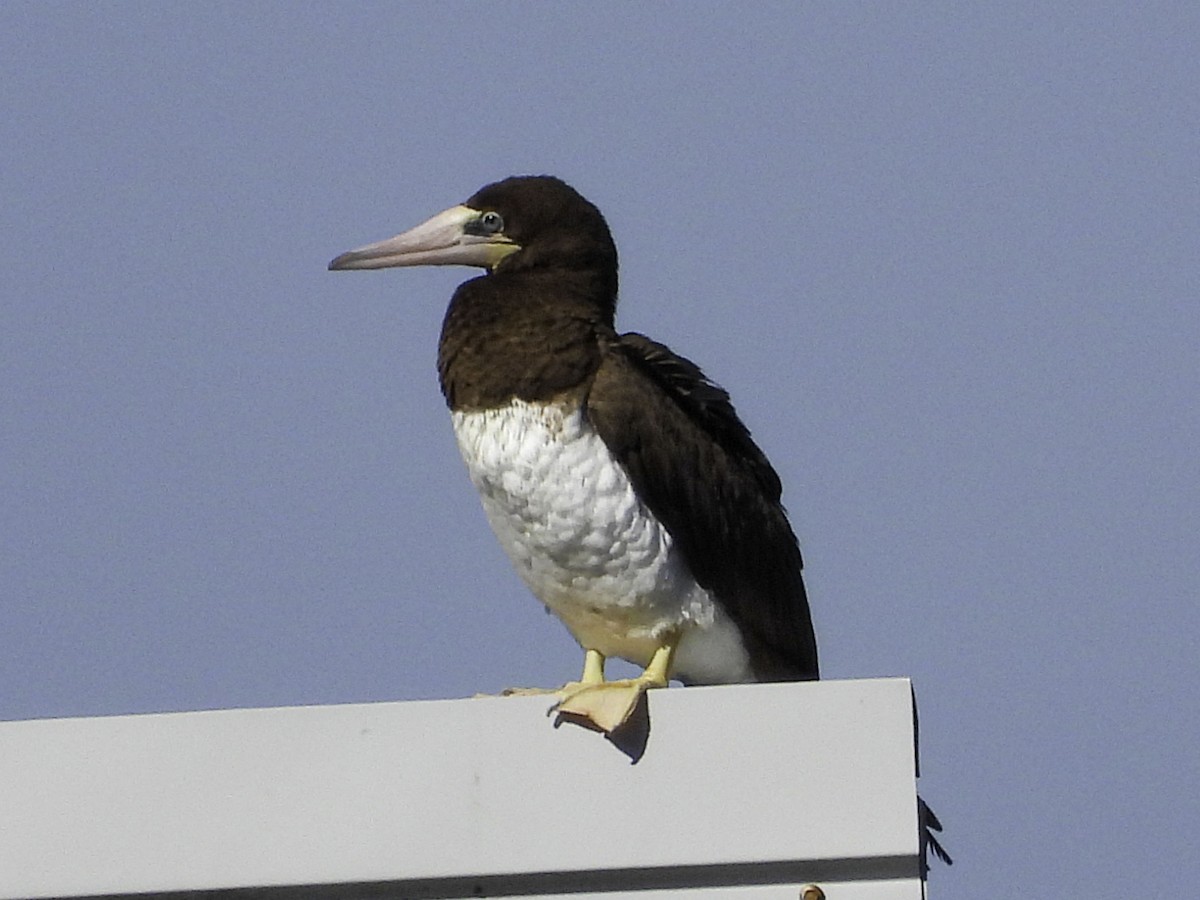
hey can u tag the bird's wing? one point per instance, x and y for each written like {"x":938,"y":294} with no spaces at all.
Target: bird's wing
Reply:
{"x":696,"y":468}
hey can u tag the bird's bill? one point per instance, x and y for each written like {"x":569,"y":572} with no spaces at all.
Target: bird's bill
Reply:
{"x":444,"y":240}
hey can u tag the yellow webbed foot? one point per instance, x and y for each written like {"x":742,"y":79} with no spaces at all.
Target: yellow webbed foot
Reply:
{"x":609,"y":704}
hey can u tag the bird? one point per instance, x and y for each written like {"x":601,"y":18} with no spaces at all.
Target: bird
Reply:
{"x":628,"y":494}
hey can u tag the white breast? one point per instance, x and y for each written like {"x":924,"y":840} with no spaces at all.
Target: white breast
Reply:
{"x":570,"y":521}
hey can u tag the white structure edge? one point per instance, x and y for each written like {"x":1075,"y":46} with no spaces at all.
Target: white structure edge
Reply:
{"x":744,"y":791}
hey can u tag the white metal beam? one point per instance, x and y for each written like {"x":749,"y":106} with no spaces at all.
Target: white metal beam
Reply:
{"x":741,"y":792}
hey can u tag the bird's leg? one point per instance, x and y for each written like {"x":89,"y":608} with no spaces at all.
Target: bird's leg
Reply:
{"x":593,"y":667}
{"x":609,"y":704}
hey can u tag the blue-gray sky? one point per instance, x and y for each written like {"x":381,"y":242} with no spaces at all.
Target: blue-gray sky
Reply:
{"x":944,"y":256}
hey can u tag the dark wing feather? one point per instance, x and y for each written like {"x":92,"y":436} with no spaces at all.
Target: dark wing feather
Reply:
{"x":695,"y":466}
{"x":929,"y":824}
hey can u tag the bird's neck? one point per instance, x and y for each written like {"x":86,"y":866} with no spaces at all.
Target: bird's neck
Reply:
{"x":528,"y":335}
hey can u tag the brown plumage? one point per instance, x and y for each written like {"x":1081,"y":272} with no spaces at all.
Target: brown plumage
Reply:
{"x":539,"y":327}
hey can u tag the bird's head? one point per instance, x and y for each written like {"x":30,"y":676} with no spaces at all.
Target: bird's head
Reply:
{"x":521,"y":223}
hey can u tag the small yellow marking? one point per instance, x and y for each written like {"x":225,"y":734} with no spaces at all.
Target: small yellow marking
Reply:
{"x":499,"y":250}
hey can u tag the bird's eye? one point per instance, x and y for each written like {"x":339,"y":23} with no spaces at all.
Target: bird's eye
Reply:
{"x":491,"y":222}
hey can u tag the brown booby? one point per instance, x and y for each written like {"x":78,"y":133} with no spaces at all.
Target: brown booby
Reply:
{"x":625,"y":489}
